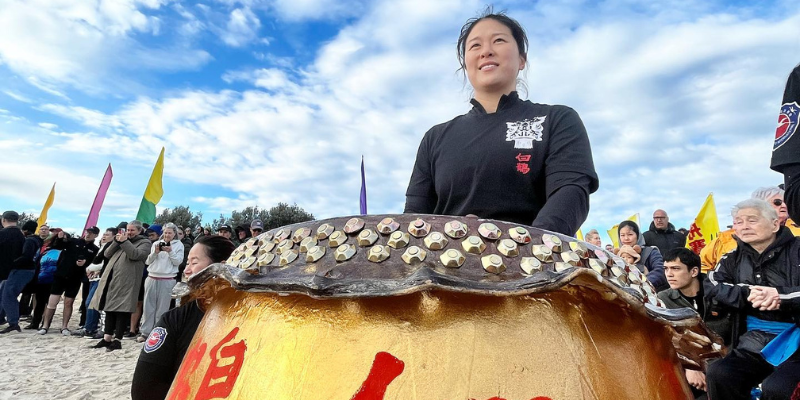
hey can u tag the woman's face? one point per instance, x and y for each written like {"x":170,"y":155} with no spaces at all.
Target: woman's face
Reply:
{"x":198,"y":259}
{"x":491,"y":58}
{"x":169,"y":235}
{"x":780,"y":207}
{"x":627,"y":236}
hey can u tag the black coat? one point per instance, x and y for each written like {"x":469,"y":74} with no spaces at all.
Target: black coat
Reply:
{"x":716,"y":317}
{"x":11,"y":242}
{"x":74,"y":249}
{"x":664,"y":239}
{"x":778,"y":266}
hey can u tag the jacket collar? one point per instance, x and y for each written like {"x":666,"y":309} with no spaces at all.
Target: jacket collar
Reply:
{"x":506,"y":101}
{"x":670,"y":228}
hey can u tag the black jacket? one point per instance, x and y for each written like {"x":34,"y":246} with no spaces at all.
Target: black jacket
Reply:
{"x":664,"y":239}
{"x":778,"y":266}
{"x":74,"y":249}
{"x":716,"y":317}
{"x":27,"y":260}
{"x":11,"y":242}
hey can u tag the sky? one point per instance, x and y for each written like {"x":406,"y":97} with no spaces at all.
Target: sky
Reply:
{"x":259,"y":102}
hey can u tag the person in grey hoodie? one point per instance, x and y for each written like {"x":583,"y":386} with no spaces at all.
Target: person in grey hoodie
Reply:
{"x":166,"y":255}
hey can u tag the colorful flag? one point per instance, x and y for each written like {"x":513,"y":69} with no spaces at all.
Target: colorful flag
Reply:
{"x":153,"y":193}
{"x":47,"y":205}
{"x":705,"y":227}
{"x":613,"y":233}
{"x":363,"y":198}
{"x":579,"y":235}
{"x":99,"y":198}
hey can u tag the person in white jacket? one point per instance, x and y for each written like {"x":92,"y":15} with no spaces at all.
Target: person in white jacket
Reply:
{"x":165,"y":256}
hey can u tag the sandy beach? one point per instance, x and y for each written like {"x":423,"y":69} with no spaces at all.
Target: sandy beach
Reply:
{"x":54,"y":366}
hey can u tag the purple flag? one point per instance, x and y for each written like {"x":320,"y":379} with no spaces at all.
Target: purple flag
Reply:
{"x":363,"y":199}
{"x":94,"y":213}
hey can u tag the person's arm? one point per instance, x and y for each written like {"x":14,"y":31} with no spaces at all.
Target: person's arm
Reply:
{"x":176,"y":254}
{"x":569,"y":175}
{"x":155,"y":368}
{"x":111,"y":249}
{"x":720,"y":285}
{"x":655,"y":269}
{"x":138,"y":252}
{"x":786,"y":149}
{"x":421,"y":194}
{"x":25,"y":260}
{"x":151,"y":258}
{"x":101,"y":255}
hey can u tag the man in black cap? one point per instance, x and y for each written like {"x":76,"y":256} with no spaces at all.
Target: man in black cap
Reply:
{"x":11,"y":242}
{"x":225,"y":231}
{"x":76,"y":255}
{"x":256,"y":227}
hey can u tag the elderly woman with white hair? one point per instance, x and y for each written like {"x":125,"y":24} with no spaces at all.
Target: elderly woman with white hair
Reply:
{"x":166,"y":255}
{"x":760,"y":282}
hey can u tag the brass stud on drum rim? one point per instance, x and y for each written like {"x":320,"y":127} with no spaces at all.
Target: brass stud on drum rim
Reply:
{"x":344,"y":252}
{"x":553,"y":242}
{"x":455,"y":229}
{"x":324,"y":231}
{"x":452,"y":258}
{"x":597,"y":266}
{"x":353,"y":225}
{"x":489,"y":231}
{"x":419,"y":228}
{"x":287,"y":257}
{"x":508,"y":248}
{"x":530,"y":265}
{"x":307,"y":243}
{"x":542,"y":252}
{"x":520,"y":235}
{"x":285,"y":244}
{"x":265,"y":237}
{"x":413,"y":255}
{"x":315,"y":253}
{"x":300,"y":234}
{"x":265,"y":259}
{"x":493,"y":264}
{"x":281,"y":235}
{"x":580,"y":249}
{"x":388,"y":225}
{"x":367,"y":237}
{"x":435,"y":241}
{"x":337,"y":239}
{"x":398,"y":240}
{"x":571,"y":258}
{"x":473,"y":245}
{"x":378,"y":253}
{"x":562,"y":266}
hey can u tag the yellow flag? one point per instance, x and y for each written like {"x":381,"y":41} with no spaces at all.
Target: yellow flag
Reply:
{"x":579,"y":235}
{"x":153,"y":193}
{"x":47,"y":205}
{"x":613,"y":233}
{"x":705,"y":227}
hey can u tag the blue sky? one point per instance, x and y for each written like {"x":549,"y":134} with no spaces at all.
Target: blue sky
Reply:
{"x":259,"y":102}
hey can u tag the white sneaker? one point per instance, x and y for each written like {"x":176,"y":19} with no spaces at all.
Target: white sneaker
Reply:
{"x":42,"y":331}
{"x":65,"y":332}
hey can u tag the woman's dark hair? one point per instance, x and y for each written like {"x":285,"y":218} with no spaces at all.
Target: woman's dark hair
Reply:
{"x":685,"y":256}
{"x":629,"y":224}
{"x":218,"y":248}
{"x":516,"y":31}
{"x":113,"y":230}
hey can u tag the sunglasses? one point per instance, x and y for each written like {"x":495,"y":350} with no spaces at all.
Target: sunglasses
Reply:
{"x":777,"y":202}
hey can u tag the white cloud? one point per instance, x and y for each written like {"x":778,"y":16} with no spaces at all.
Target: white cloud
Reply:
{"x":16,"y":96}
{"x":242,"y":27}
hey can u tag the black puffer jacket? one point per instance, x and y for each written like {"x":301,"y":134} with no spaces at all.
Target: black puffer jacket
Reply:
{"x":664,"y":239}
{"x":778,"y":266}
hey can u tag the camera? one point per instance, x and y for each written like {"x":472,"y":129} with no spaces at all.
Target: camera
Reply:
{"x":162,"y":245}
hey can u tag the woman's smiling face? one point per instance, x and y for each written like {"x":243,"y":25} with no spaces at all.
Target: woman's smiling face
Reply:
{"x":492,"y":58}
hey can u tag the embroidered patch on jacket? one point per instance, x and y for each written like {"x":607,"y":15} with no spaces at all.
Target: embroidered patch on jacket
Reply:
{"x":787,"y":124}
{"x":524,"y":132}
{"x":155,"y":340}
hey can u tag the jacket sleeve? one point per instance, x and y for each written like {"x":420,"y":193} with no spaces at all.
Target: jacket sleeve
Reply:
{"x":137,"y":252}
{"x":791,"y":177}
{"x":151,"y":258}
{"x":722,"y":287}
{"x":655,"y":265}
{"x":111,"y":249}
{"x":421,"y":194}
{"x":25,"y":261}
{"x":101,"y":255}
{"x":176,"y":254}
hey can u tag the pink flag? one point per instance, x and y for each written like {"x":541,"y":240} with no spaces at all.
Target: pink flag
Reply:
{"x":94,"y":214}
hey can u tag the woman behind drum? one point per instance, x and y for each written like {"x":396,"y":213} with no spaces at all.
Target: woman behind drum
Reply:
{"x":508,"y":158}
{"x":651,"y":261}
{"x":167,"y":343}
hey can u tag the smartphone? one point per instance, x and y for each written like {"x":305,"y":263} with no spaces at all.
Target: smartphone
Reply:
{"x":121,"y":231}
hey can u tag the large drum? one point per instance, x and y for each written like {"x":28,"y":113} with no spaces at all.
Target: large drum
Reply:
{"x":433,"y":307}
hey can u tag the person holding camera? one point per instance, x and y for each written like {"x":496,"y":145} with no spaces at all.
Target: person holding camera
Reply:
{"x":166,"y":255}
